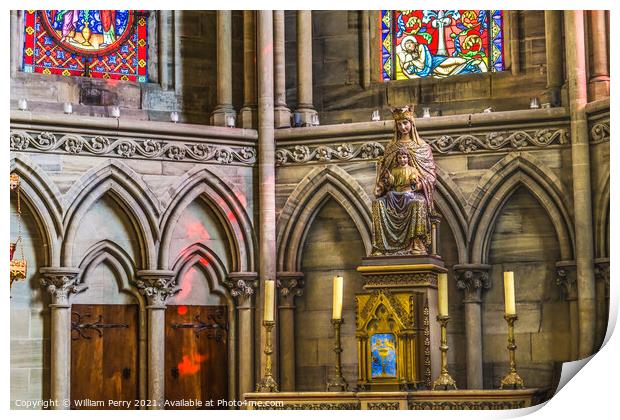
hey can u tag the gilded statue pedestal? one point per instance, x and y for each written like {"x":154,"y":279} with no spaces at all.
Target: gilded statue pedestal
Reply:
{"x":398,"y":338}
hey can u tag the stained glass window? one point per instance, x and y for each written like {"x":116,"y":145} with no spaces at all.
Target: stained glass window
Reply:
{"x":440,"y":43}
{"x":109,"y":44}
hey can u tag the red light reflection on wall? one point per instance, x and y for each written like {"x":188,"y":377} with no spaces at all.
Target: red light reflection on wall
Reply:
{"x":182,"y":310}
{"x":186,"y":284}
{"x":190,"y":364}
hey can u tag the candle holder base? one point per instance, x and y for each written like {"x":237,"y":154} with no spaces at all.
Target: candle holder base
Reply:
{"x":337,"y":383}
{"x":267,"y":384}
{"x":444,"y":382}
{"x":512,"y":380}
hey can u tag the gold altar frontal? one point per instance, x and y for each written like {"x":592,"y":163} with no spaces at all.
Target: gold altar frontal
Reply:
{"x":397,"y":335}
{"x":493,"y":399}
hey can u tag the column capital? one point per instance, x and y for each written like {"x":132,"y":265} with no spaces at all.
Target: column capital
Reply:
{"x":242,"y":286}
{"x":156,"y":286}
{"x":567,"y":279}
{"x":601,"y":272}
{"x":472,"y":279}
{"x":290,"y":284}
{"x":60,"y":283}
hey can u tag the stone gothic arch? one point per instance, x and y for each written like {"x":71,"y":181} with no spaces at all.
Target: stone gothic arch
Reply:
{"x":225,"y":202}
{"x":132,"y":195}
{"x":495,"y":189}
{"x":215,"y":271}
{"x":305,"y":203}
{"x":449,"y":200}
{"x":43,"y":198}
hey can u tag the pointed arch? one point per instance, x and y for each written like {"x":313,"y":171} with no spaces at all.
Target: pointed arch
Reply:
{"x":305,"y":203}
{"x":44,"y":200}
{"x":601,"y":220}
{"x":495,"y":189}
{"x":127,"y":190}
{"x":208,"y":261}
{"x":449,"y":201}
{"x":121,"y":263}
{"x":215,"y":272}
{"x":225,"y":202}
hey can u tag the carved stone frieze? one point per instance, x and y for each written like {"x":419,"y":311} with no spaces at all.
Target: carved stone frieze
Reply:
{"x":125,"y":147}
{"x":157,"y":286}
{"x":444,"y":144}
{"x":61,"y":282}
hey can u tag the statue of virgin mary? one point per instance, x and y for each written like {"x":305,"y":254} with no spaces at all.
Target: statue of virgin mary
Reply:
{"x":404,"y":189}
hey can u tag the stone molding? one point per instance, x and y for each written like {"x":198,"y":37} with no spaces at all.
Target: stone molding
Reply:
{"x":157,"y":286}
{"x":290,"y":285}
{"x":60,"y":283}
{"x":599,"y":132}
{"x":127,"y":147}
{"x":567,"y":279}
{"x":444,"y":144}
{"x":472,"y":279}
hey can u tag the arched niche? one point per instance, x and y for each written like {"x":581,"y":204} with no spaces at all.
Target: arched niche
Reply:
{"x":333,"y":246}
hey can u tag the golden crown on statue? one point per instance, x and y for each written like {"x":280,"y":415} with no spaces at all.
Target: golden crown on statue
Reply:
{"x":405,"y":112}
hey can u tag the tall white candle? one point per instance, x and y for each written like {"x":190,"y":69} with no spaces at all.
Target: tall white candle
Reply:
{"x":338,"y":293}
{"x":269,"y":303}
{"x":442,"y":283}
{"x":509,"y":293}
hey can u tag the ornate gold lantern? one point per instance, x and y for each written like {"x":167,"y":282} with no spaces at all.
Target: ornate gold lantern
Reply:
{"x":19,"y":265}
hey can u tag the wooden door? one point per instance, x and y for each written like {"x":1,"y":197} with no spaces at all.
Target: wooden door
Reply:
{"x":104,"y":356}
{"x":196,"y":355}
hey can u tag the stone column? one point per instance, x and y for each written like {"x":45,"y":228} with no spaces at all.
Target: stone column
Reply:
{"x":598,"y":85}
{"x":601,"y":273}
{"x":247,"y":114}
{"x":567,"y":283}
{"x":242,"y":287}
{"x":515,"y":61}
{"x":555,"y":62}
{"x":305,"y":105}
{"x":156,"y":286}
{"x":266,"y":163}
{"x":282,"y":114}
{"x":290,"y":285}
{"x":472,"y":279}
{"x":166,"y":63}
{"x":224,"y":107}
{"x":582,"y":189}
{"x":60,"y":283}
{"x":365,"y":40}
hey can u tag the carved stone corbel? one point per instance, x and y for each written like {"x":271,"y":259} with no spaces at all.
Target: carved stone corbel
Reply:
{"x":567,"y":279}
{"x":601,"y":273}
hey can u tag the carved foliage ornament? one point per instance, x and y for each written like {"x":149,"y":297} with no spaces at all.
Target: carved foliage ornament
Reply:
{"x":445,"y":144}
{"x":131,"y":148}
{"x":157,"y":290}
{"x":60,"y":286}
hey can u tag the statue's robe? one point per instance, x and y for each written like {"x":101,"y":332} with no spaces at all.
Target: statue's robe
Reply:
{"x":401,"y":216}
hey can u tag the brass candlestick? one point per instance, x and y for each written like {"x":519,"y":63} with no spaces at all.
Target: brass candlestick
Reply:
{"x":337,"y":382}
{"x":445,"y":380}
{"x":512,"y":379}
{"x":267,"y":383}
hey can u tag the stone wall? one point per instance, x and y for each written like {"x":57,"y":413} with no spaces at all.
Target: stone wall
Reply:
{"x":190,"y":64}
